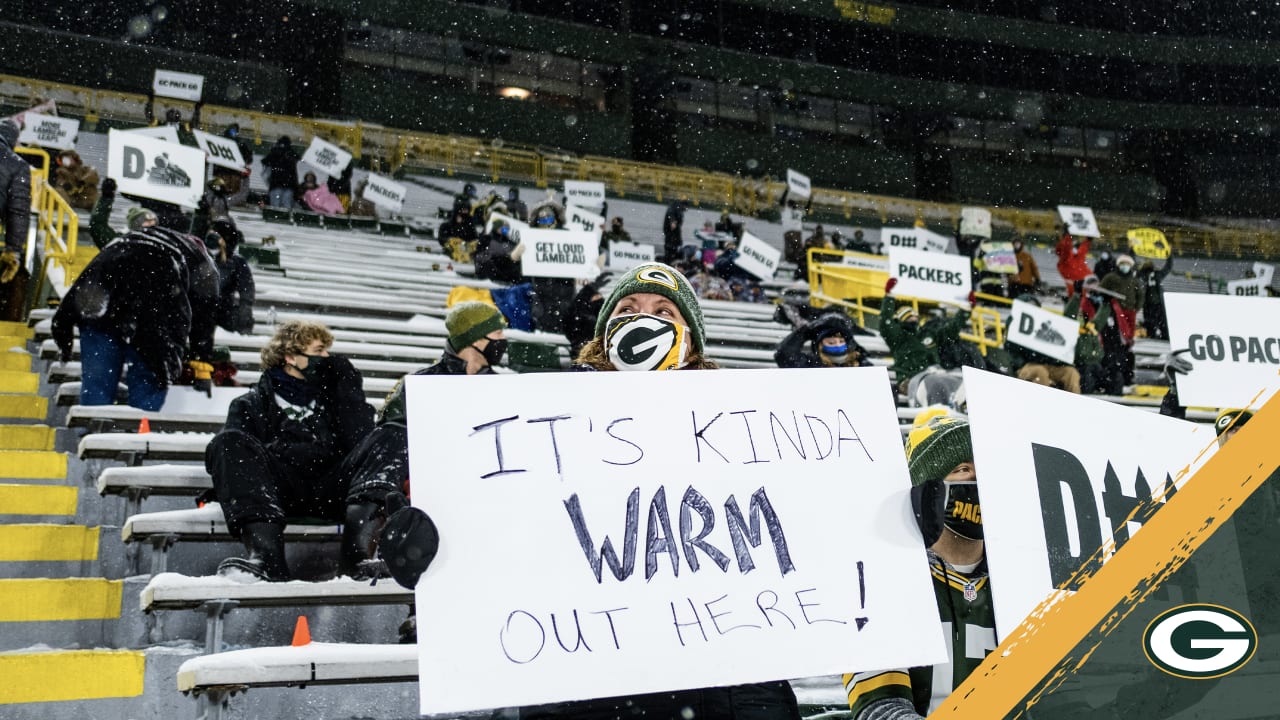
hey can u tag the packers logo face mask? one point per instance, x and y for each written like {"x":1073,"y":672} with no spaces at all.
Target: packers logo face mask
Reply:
{"x":645,"y":342}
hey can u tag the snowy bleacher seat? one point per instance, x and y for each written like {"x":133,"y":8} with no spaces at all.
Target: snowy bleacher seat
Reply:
{"x":133,"y":448}
{"x":312,"y":664}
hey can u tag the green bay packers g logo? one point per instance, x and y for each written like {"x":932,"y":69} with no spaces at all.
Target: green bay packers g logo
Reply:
{"x":1199,"y":641}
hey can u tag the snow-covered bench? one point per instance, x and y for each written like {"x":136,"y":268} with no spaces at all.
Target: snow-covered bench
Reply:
{"x":203,"y":524}
{"x":368,"y":367}
{"x":133,"y":449}
{"x":105,"y":418}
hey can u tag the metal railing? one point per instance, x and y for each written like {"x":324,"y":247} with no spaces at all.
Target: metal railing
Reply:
{"x":57,"y":225}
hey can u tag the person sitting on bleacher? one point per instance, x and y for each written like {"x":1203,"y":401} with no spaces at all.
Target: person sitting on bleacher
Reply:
{"x":831,"y":344}
{"x":149,"y":299}
{"x":301,"y":444}
{"x":236,"y":289}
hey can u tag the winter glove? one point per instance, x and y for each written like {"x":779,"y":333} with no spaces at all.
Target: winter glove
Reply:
{"x":888,"y":286}
{"x":203,"y":376}
{"x":108,"y":188}
{"x":1175,"y":364}
{"x":973,"y":298}
{"x":409,"y":540}
{"x":8,"y":266}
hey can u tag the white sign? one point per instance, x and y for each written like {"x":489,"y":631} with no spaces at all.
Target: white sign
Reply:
{"x":1264,"y":272}
{"x":183,"y":86}
{"x":999,"y":257}
{"x":798,"y":184}
{"x":384,"y":192}
{"x":49,"y":131}
{"x":326,"y":157}
{"x":591,"y":549}
{"x":559,"y":253}
{"x":623,"y":255}
{"x":879,"y":263}
{"x":1248,"y":287}
{"x":1080,"y":219}
{"x":976,"y":222}
{"x":167,"y":133}
{"x":1047,"y":333}
{"x":155,"y":169}
{"x":757,"y":257}
{"x":913,"y":239}
{"x":577,"y":218}
{"x":792,"y":219}
{"x":48,"y":107}
{"x":931,"y":275}
{"x":515,"y":225}
{"x":1234,"y":345}
{"x":220,"y":151}
{"x":583,"y":193}
{"x":1050,"y":499}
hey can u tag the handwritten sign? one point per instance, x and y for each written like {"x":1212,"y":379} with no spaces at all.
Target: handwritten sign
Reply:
{"x":1148,"y":243}
{"x":1081,"y":220}
{"x":152,"y":168}
{"x":623,"y":255}
{"x":931,"y":275}
{"x":584,"y":194}
{"x":592,"y":549}
{"x":976,"y":222}
{"x":757,"y":257}
{"x":559,"y":253}
{"x":798,"y":184}
{"x":1050,"y":499}
{"x":584,"y":220}
{"x":326,"y":157}
{"x":167,"y":133}
{"x":183,"y":86}
{"x":384,"y":192}
{"x":999,"y":257}
{"x":220,"y":151}
{"x":516,"y":225}
{"x":914,"y":239}
{"x":1234,"y":345}
{"x":49,"y":131}
{"x":1045,"y":332}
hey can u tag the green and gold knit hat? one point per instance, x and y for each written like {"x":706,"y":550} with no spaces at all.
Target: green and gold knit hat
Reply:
{"x":469,"y":321}
{"x":937,"y":446}
{"x":663,"y":280}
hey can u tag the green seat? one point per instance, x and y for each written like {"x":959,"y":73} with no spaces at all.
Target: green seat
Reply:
{"x":364,"y":223}
{"x":387,"y":227}
{"x":308,"y":219}
{"x":264,"y":256}
{"x":337,"y":222}
{"x":274,"y":214}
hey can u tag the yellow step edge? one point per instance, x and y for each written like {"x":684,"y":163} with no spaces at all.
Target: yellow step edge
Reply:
{"x":41,"y":599}
{"x":26,"y":437}
{"x":32,"y":464}
{"x":16,"y":381}
{"x":16,"y":329}
{"x":48,"y":543}
{"x":18,"y":361}
{"x":32,"y":407}
{"x":71,"y":675}
{"x":37,"y":499}
{"x":11,"y":341}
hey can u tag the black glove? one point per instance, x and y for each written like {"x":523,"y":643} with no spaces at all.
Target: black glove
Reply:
{"x":409,"y":540}
{"x":64,"y":352}
{"x":108,"y":188}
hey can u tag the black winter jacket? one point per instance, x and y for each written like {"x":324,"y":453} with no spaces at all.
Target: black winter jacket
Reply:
{"x":282,"y":165}
{"x":15,"y":191}
{"x":154,"y":289}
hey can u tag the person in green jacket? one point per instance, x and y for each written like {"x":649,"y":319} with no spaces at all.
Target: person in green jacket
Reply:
{"x":100,"y":229}
{"x":915,"y":347}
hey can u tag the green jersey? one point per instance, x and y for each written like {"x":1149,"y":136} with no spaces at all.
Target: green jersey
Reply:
{"x":969,"y":627}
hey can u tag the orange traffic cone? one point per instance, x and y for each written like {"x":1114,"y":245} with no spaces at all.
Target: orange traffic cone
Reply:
{"x":144,"y":426}
{"x":301,"y":632}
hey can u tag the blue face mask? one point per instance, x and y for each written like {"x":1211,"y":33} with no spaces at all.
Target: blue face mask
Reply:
{"x":840,"y":349}
{"x":545,"y":220}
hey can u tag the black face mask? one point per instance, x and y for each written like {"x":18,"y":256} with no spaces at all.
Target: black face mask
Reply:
{"x":494,"y":351}
{"x":962,"y":513}
{"x":315,"y":367}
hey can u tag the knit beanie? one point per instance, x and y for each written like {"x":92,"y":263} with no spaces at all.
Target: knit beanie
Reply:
{"x":663,"y":280}
{"x":1231,"y":418}
{"x":469,"y":321}
{"x":136,"y":216}
{"x":936,"y":446}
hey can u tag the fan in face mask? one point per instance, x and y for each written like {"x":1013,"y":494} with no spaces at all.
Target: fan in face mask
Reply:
{"x":833,"y":348}
{"x":647,"y":332}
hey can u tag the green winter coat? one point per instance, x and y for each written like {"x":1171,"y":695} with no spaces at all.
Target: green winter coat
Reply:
{"x":100,"y":229}
{"x":915,"y":350}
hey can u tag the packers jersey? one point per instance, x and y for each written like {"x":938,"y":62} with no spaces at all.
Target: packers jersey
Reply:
{"x":969,"y":627}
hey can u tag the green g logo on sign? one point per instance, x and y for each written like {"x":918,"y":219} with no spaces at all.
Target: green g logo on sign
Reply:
{"x":1199,"y":641}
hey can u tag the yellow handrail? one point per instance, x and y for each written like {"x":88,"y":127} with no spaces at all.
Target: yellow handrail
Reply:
{"x":57,"y":225}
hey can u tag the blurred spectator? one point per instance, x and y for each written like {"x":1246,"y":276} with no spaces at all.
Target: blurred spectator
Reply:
{"x":281,"y":164}
{"x":1042,"y":369}
{"x":465,"y":200}
{"x":1125,"y":283}
{"x":214,"y":206}
{"x":1027,"y":279}
{"x":100,"y":230}
{"x":672,"y":227}
{"x":173,"y":118}
{"x":317,"y":198}
{"x":148,"y":300}
{"x":1072,"y":259}
{"x":236,"y":289}
{"x":1101,"y":309}
{"x":1106,"y":263}
{"x":1154,"y":319}
{"x":492,"y":256}
{"x":15,"y":214}
{"x":615,"y":233}
{"x":580,"y":325}
{"x":340,"y":186}
{"x":793,"y":228}
{"x":515,"y":206}
{"x":360,"y":207}
{"x":916,"y":347}
{"x":76,"y":182}
{"x":236,"y":181}
{"x":859,"y":244}
{"x":458,"y":237}
{"x":551,"y":297}
{"x":827,"y":341}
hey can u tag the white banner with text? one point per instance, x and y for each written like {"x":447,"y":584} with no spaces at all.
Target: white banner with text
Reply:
{"x":1234,"y":348}
{"x":155,"y":169}
{"x":931,"y":275}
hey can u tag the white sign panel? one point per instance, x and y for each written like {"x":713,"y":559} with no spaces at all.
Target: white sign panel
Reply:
{"x":155,"y":169}
{"x":623,"y":255}
{"x":976,"y":222}
{"x":1050,"y":499}
{"x":220,"y":151}
{"x":1264,"y":272}
{"x":1234,"y":345}
{"x":326,"y":157}
{"x":384,"y":192}
{"x":577,"y":218}
{"x":1081,"y":220}
{"x":49,"y":131}
{"x":931,"y":275}
{"x":757,"y":257}
{"x":1248,"y":287}
{"x":591,"y":549}
{"x":913,"y":239}
{"x":879,"y":263}
{"x":792,"y":219}
{"x":559,"y":253}
{"x":183,"y":86}
{"x":798,"y":184}
{"x":48,"y":107}
{"x":1047,"y":333}
{"x":167,"y":133}
{"x":584,"y":193}
{"x":515,"y":225}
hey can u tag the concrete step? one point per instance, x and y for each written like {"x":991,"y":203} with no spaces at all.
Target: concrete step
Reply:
{"x":27,"y":437}
{"x":45,"y":542}
{"x":10,"y":328}
{"x":36,"y":678}
{"x":64,"y":613}
{"x":38,"y":500}
{"x":23,"y":405}
{"x":32,"y":464}
{"x":17,"y":381}
{"x":17,"y":361}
